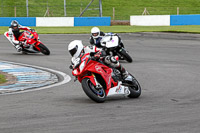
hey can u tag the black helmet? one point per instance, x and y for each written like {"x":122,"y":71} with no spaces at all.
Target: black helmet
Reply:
{"x":15,"y":25}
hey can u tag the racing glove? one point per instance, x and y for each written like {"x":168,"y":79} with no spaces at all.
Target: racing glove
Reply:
{"x":97,"y":55}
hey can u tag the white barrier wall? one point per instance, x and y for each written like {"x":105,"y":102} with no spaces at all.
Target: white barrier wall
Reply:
{"x":150,"y":20}
{"x":54,"y":21}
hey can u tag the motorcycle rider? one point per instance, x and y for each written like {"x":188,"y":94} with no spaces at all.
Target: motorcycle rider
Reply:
{"x":14,"y":33}
{"x":76,"y":49}
{"x":97,"y":35}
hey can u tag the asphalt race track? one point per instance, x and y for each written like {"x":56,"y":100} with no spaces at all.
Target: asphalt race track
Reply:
{"x":166,"y":65}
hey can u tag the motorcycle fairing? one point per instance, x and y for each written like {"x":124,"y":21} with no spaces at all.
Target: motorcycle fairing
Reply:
{"x":119,"y":89}
{"x":97,"y":68}
{"x":110,"y":41}
{"x":94,"y":67}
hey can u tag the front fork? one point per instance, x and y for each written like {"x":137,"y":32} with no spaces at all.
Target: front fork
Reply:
{"x":93,"y":79}
{"x":98,"y":85}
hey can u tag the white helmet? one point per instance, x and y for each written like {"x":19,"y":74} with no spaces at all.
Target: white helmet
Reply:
{"x":75,"y":47}
{"x":95,"y":32}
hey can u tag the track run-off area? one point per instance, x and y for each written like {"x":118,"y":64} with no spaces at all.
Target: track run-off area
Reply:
{"x":166,"y":65}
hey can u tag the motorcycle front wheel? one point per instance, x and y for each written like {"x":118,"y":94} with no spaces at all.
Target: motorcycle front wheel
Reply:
{"x":126,"y":56}
{"x":96,"y":94}
{"x":44,"y":49}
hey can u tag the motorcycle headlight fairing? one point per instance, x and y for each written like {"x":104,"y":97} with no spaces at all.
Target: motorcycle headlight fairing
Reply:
{"x":82,"y":65}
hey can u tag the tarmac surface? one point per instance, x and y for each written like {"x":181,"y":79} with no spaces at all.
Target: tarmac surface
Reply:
{"x":165,"y":64}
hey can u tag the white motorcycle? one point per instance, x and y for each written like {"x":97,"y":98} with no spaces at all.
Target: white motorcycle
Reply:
{"x":113,"y":45}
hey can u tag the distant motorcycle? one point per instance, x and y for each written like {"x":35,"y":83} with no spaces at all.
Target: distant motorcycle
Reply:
{"x":112,"y":44}
{"x":33,"y":44}
{"x":100,"y":81}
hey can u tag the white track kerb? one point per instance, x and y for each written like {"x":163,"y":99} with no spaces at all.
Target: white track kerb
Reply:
{"x":31,"y":78}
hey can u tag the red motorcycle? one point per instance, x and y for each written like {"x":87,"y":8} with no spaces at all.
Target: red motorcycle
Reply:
{"x":32,"y":43}
{"x":100,"y":81}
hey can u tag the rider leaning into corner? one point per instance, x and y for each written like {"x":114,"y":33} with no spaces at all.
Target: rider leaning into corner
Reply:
{"x":14,"y":33}
{"x":97,"y":35}
{"x":76,"y":49}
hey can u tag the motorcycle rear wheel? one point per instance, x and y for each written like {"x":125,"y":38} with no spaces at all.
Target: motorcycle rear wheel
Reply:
{"x":44,"y":49}
{"x":126,"y":56}
{"x":97,"y":95}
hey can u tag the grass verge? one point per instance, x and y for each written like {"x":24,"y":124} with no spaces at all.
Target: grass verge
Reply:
{"x":2,"y":79}
{"x":115,"y":29}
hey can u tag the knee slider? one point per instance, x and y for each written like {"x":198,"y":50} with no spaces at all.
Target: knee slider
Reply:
{"x":107,"y":60}
{"x":113,"y":60}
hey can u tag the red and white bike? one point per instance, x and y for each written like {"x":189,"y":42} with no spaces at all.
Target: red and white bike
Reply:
{"x":32,"y":45}
{"x":100,"y":81}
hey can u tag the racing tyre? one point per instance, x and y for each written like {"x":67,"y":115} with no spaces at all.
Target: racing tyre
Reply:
{"x":44,"y":49}
{"x":96,"y":94}
{"x":135,"y":89}
{"x":126,"y":56}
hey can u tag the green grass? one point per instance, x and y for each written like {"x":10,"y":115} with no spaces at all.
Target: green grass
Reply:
{"x":2,"y":79}
{"x":38,"y":8}
{"x":123,"y":8}
{"x":115,"y":29}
